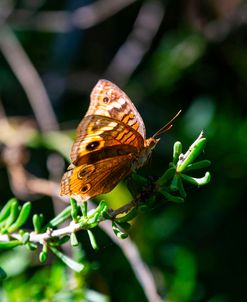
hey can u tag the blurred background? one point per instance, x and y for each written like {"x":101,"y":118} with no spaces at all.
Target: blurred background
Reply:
{"x":166,"y":55}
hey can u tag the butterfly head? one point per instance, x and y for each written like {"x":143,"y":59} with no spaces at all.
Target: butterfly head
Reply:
{"x":145,"y":153}
{"x":151,"y":142}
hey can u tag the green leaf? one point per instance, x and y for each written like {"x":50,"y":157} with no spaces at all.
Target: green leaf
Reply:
{"x":118,"y":232}
{"x":198,"y":165}
{"x":14,"y":212}
{"x":74,"y":209}
{"x":143,"y":208}
{"x":106,"y":215}
{"x":92,"y":240}
{"x":37,"y":222}
{"x":198,"y":181}
{"x":174,"y":183}
{"x":43,"y":256}
{"x":25,"y":238}
{"x":129,"y":216}
{"x":171,"y":197}
{"x":76,"y":266}
{"x":3,"y":274}
{"x":60,"y":218}
{"x":6,"y":209}
{"x":9,"y":244}
{"x":177,"y":150}
{"x":181,"y":188}
{"x":73,"y":239}
{"x":59,"y":241}
{"x":94,"y":215}
{"x":31,"y":246}
{"x":192,"y":153}
{"x":24,"y":213}
{"x":83,"y":206}
{"x":166,"y":176}
{"x":102,"y":207}
{"x":177,"y":185}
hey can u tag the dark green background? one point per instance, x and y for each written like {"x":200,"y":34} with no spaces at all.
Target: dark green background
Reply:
{"x":196,"y":62}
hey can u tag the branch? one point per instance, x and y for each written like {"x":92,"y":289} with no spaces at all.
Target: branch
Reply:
{"x":29,"y":79}
{"x":141,"y":271}
{"x":61,"y":21}
{"x":48,"y":235}
{"x":138,"y":42}
{"x":92,"y":14}
{"x":93,"y":218}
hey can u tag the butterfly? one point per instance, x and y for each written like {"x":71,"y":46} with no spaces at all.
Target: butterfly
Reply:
{"x":110,"y":144}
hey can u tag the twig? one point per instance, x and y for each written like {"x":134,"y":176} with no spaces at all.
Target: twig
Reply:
{"x":146,"y":192}
{"x":39,"y":101}
{"x":220,"y":29}
{"x":49,"y":234}
{"x":62,"y":21}
{"x":24,"y":184}
{"x":138,"y":42}
{"x":29,"y":79}
{"x":124,"y":209}
{"x":97,"y":12}
{"x":141,"y":271}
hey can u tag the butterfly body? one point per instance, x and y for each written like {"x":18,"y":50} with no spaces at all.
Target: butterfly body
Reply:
{"x":110,"y":144}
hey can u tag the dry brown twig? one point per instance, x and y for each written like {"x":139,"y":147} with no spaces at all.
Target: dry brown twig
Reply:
{"x":29,"y":79}
{"x":61,"y":21}
{"x":130,"y":54}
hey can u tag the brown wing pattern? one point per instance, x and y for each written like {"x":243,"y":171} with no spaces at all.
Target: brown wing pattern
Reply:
{"x":89,"y":180}
{"x":107,"y":99}
{"x":109,"y":139}
{"x":96,"y":134}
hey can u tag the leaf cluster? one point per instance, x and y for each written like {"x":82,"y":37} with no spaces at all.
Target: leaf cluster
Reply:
{"x":169,"y":186}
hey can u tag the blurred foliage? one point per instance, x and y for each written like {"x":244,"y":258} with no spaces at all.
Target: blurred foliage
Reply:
{"x":196,"y":62}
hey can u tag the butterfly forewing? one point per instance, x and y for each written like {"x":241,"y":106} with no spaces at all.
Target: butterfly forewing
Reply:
{"x":109,"y":100}
{"x":109,"y":144}
{"x":104,"y":136}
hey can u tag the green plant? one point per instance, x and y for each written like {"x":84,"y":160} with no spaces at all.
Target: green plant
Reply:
{"x":169,"y":187}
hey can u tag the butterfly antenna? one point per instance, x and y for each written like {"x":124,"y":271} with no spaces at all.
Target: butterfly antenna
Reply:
{"x":167,"y":127}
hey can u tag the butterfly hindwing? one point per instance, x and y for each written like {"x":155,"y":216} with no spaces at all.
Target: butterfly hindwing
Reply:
{"x":89,"y":180}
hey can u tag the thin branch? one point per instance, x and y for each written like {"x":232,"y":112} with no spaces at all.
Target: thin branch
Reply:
{"x":138,"y":42}
{"x":141,"y":271}
{"x":49,"y":234}
{"x":37,"y":185}
{"x":62,"y":21}
{"x":29,"y":79}
{"x":39,"y":101}
{"x":90,"y":15}
{"x":24,"y":184}
{"x":220,"y":29}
